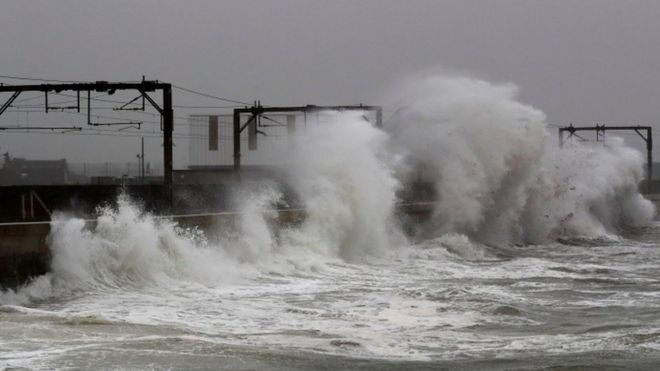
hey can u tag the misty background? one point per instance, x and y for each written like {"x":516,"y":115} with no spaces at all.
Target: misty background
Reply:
{"x":581,"y":62}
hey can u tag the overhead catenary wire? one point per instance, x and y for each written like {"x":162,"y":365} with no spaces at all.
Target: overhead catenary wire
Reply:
{"x":165,"y":110}
{"x":112,"y":133}
{"x":210,"y":96}
{"x":204,"y":107}
{"x":174,"y":105}
{"x":185,"y":121}
{"x":37,"y":79}
{"x":40,"y":79}
{"x":27,"y":107}
{"x":30,"y":108}
{"x":96,"y":98}
{"x":100,"y":132}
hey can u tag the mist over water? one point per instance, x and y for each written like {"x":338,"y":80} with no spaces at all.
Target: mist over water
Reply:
{"x":346,"y":281}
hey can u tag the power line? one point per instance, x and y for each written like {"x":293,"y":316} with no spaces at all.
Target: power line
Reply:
{"x":175,"y":105}
{"x":32,"y":108}
{"x":185,"y":119}
{"x":211,"y":96}
{"x":105,"y":133}
{"x":112,"y":101}
{"x":202,"y":107}
{"x":37,"y":79}
{"x":96,"y":98}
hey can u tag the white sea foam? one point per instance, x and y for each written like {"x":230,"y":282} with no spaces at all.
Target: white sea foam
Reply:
{"x":343,"y":176}
{"x":499,"y":177}
{"x":129,"y":248}
{"x":587,"y":191}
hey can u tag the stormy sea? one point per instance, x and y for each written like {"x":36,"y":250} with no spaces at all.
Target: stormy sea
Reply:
{"x":532,"y":256}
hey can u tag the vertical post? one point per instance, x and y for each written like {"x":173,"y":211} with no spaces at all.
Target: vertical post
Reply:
{"x":237,"y":140}
{"x":252,"y":126}
{"x":31,"y":205}
{"x":213,"y":133}
{"x":290,"y":124}
{"x":252,"y":132}
{"x":23,"y":212}
{"x":649,"y":159}
{"x":142,"y":163}
{"x":291,"y":129}
{"x":379,"y":117}
{"x":561,"y":137}
{"x":89,"y":107}
{"x":168,"y":128}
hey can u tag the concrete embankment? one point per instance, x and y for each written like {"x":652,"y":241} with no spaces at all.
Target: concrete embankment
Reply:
{"x":24,"y":251}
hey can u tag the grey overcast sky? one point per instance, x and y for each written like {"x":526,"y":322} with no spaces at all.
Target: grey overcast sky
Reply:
{"x":582,"y":61}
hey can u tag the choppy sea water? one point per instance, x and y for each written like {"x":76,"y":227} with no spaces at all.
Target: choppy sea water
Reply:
{"x":442,"y":303}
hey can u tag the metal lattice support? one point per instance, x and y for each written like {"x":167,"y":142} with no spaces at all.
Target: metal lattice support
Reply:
{"x":600,"y":132}
{"x":257,"y":112}
{"x":143,"y":87}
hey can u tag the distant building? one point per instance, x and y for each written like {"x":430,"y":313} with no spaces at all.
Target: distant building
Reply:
{"x":20,"y":171}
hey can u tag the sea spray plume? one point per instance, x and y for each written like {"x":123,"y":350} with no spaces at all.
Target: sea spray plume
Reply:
{"x":254,"y":239}
{"x":587,"y":190}
{"x":342,"y":176}
{"x":499,"y":177}
{"x":480,"y":146}
{"x":126,"y":247}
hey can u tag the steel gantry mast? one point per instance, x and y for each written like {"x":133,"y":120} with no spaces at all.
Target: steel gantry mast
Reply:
{"x":144,"y":87}
{"x":644,"y":132}
{"x":257,"y":112}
